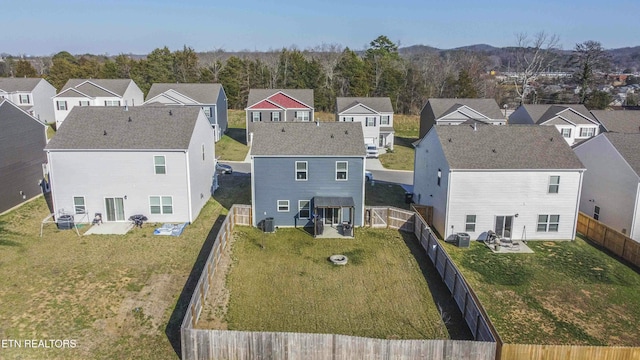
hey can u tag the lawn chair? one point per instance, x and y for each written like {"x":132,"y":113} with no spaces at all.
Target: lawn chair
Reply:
{"x":97,"y":219}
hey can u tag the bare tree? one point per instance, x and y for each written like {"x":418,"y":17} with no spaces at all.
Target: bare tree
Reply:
{"x":588,"y":57}
{"x":328,"y":55}
{"x":532,"y":56}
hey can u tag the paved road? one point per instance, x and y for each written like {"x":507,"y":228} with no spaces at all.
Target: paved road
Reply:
{"x":404,"y":178}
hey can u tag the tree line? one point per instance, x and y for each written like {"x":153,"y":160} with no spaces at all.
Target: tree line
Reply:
{"x":331,"y":70}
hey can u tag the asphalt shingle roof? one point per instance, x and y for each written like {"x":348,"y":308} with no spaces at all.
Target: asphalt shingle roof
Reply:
{"x":308,"y":138}
{"x":487,"y":107}
{"x":109,"y":128}
{"x":118,"y":86}
{"x":506,"y":147}
{"x":18,"y":84}
{"x":628,"y":146}
{"x":303,"y":95}
{"x":379,"y":104}
{"x":202,"y":93}
{"x":622,"y":121}
{"x":544,"y":112}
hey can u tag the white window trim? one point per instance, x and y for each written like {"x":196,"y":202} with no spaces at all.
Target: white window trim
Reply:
{"x":300,"y":209}
{"x":287,"y":205}
{"x":547,"y":224}
{"x":112,"y":103}
{"x":24,"y":102}
{"x":467,"y":223}
{"x":160,"y":198}
{"x":565,"y":129}
{"x":307,"y":116}
{"x":273,"y":118}
{"x":346,"y":171}
{"x":366,"y":121}
{"x":439,"y":176}
{"x":557,"y":185}
{"x":588,"y":130}
{"x":382,"y":120}
{"x":84,"y":205}
{"x":86,"y":103}
{"x":64,"y":105}
{"x":253,"y":116}
{"x":306,"y":170}
{"x":155,"y":166}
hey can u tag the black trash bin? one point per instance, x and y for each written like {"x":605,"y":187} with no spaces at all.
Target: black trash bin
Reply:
{"x":347,"y":229}
{"x":65,"y":222}
{"x":268,"y":224}
{"x":408,"y":198}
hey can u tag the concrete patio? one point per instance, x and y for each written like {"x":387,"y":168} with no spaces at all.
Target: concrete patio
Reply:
{"x":110,"y":228}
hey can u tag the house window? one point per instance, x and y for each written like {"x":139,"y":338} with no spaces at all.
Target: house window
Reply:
{"x":160,"y":164}
{"x":548,"y":223}
{"x":587,"y":132}
{"x":384,"y":120}
{"x":112,"y":103}
{"x":275,"y":116}
{"x":348,"y":118}
{"x":161,"y":204}
{"x":304,"y":209}
{"x":61,"y":105}
{"x":83,"y":103}
{"x":566,"y":132}
{"x":207,"y":111}
{"x":301,"y":171}
{"x":554,"y":184}
{"x":302,"y":115}
{"x":439,"y":176}
{"x":596,"y":212}
{"x":370,"y":121}
{"x":24,"y":99}
{"x":255,"y":116}
{"x":341,"y":170}
{"x":283,"y":205}
{"x":78,"y":205}
{"x":470,"y":223}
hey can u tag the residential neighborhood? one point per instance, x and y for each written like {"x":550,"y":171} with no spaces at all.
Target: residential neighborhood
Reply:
{"x":327,"y":202}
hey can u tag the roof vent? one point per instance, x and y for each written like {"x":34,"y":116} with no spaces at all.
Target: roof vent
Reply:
{"x":346,"y":132}
{"x":283,"y":130}
{"x":332,"y":136}
{"x":129,"y":119}
{"x":317,"y":123}
{"x":493,"y":150}
{"x":550,"y":139}
{"x":450,"y":140}
{"x":105,"y":133}
{"x":475,"y":126}
{"x":170,"y":113}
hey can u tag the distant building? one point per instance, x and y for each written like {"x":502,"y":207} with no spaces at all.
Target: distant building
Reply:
{"x":374,"y":113}
{"x":32,"y":95}
{"x":573,"y":121}
{"x":459,"y":111}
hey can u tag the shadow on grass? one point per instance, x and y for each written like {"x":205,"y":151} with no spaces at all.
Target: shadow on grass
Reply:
{"x":239,"y":135}
{"x":173,"y":327}
{"x":404,"y":141}
{"x":234,"y":189}
{"x":451,"y":315}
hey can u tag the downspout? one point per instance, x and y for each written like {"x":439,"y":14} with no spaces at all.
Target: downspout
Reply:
{"x":186,"y":156}
{"x":364,"y":169}
{"x":253,"y":191}
{"x":53,"y":198}
{"x":632,"y":233}
{"x":575,"y":218}
{"x":446,"y":206}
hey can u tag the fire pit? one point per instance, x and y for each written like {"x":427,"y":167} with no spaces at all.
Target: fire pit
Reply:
{"x":338,"y":259}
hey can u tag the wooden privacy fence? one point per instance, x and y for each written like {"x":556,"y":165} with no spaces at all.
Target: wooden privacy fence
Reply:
{"x":468,"y":303}
{"x":238,"y":215}
{"x":610,"y":239}
{"x":567,"y":352}
{"x":224,"y":344}
{"x":389,"y":217}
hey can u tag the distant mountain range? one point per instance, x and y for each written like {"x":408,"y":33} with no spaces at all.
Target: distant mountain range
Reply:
{"x":627,"y":58}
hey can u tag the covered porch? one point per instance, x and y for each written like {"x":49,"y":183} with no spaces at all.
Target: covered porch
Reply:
{"x":333,"y":217}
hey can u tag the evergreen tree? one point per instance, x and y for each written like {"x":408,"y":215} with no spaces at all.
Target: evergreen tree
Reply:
{"x":23,"y":68}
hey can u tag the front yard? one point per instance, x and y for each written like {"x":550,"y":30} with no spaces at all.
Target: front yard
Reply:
{"x":291,"y":286}
{"x":564,"y":293}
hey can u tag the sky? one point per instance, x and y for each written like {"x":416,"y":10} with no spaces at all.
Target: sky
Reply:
{"x":112,"y":27}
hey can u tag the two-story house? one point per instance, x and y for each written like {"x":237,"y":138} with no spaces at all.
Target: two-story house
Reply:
{"x":438,"y":111}
{"x":33,"y":95}
{"x":611,"y":188}
{"x":374,"y":113}
{"x":308,"y":174}
{"x":21,"y":157}
{"x":278,"y":105}
{"x":620,"y":121}
{"x":157,"y":161}
{"x":520,"y":181}
{"x":95,"y":92}
{"x":210,"y":97}
{"x":574,"y":121}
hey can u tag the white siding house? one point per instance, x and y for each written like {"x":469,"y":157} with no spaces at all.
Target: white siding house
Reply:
{"x":445,"y":111}
{"x":154,"y":161}
{"x":32,"y":95}
{"x":523,"y":182}
{"x":374,"y":113}
{"x":95,"y":92}
{"x":611,"y":188}
{"x":574,"y":121}
{"x":210,"y":97}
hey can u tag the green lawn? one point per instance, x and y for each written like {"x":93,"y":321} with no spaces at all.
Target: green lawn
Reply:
{"x":564,"y":293}
{"x":407,"y":128}
{"x":115,"y":295}
{"x":382,"y":194}
{"x":233,"y":145}
{"x":291,"y":286}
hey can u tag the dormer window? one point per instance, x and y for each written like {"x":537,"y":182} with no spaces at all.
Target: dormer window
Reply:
{"x":24,"y":99}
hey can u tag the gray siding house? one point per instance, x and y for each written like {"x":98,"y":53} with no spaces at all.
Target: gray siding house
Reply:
{"x":573,"y":121}
{"x":210,"y":97}
{"x":459,"y":111}
{"x":278,"y":105}
{"x":153,"y":160}
{"x":33,"y":95}
{"x":306,"y":174}
{"x":374,"y":113}
{"x":21,"y":157}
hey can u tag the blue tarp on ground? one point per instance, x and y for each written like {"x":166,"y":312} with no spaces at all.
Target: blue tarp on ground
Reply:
{"x":170,"y":229}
